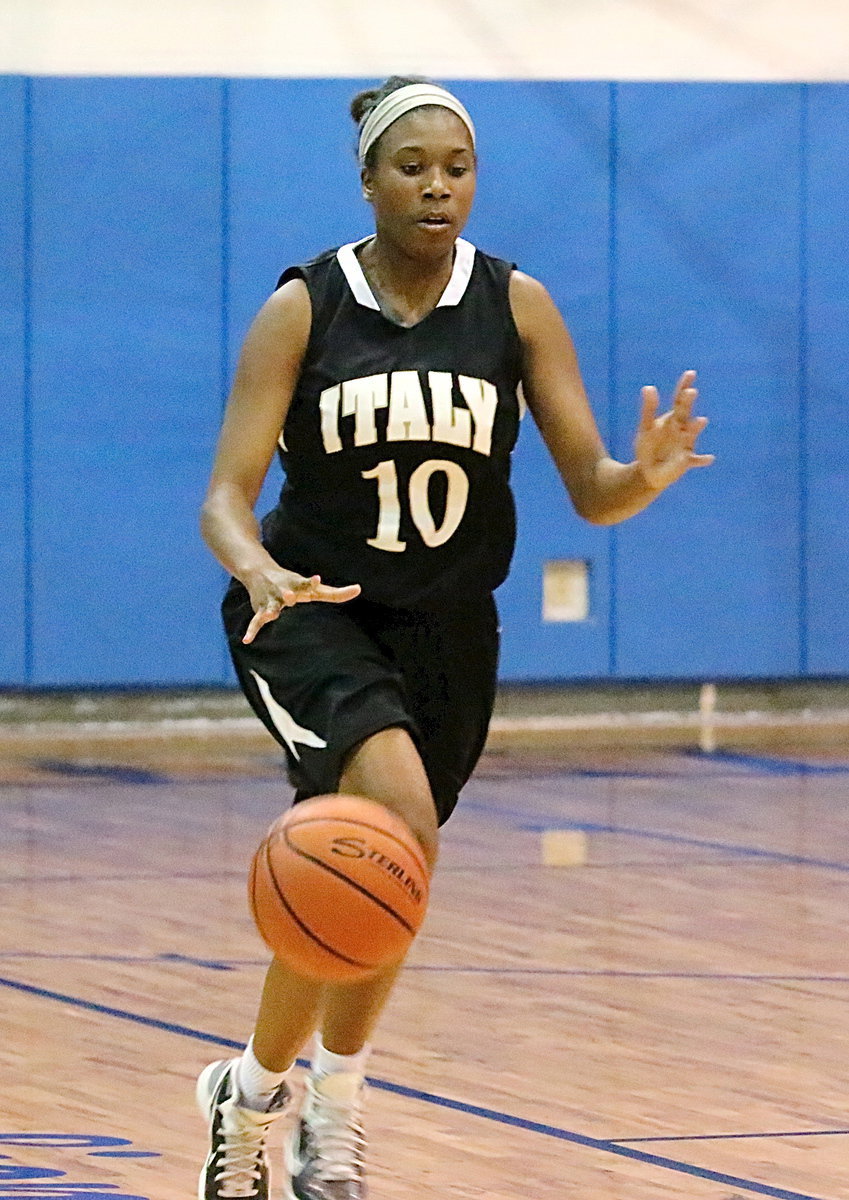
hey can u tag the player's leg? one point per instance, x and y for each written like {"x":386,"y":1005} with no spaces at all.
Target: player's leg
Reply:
{"x":321,"y":686}
{"x":325,"y":1152}
{"x":448,"y":663}
{"x":243,"y":1096}
{"x":387,"y":768}
{"x":289,"y":1010}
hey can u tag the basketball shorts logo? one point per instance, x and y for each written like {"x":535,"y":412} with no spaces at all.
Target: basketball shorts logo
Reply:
{"x":285,"y":724}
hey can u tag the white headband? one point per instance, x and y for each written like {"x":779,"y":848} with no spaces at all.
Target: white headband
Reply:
{"x":401,"y":101}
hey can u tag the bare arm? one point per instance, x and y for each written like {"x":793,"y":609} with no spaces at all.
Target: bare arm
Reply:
{"x":603,"y":490}
{"x":265,"y":381}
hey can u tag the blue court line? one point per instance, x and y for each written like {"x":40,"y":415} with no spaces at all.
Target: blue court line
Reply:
{"x":739,"y":851}
{"x":765,"y":767}
{"x":147,"y":877}
{"x":111,"y":773}
{"x":122,"y":1014}
{"x":43,"y":956}
{"x":69,"y":771}
{"x":133,"y":777}
{"x":233,"y":964}
{"x":769,"y":764}
{"x":729,"y":1137}
{"x":591,"y":1143}
{"x":660,"y":776}
{"x":753,"y":852}
{"x":474,"y":1110}
{"x":576,"y":973}
{"x":209,"y":963}
{"x":124,"y":1154}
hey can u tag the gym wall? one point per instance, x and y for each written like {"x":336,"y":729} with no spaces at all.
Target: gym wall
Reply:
{"x":143,"y":220}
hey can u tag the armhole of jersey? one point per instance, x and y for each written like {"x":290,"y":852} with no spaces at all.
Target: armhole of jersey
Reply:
{"x":291,"y":273}
{"x":511,"y":317}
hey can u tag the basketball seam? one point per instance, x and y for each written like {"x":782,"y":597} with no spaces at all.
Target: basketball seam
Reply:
{"x":374,"y":828}
{"x":346,"y":879}
{"x":354,"y":962}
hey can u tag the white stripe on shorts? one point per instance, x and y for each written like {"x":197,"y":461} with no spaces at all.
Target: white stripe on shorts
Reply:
{"x":285,"y":723}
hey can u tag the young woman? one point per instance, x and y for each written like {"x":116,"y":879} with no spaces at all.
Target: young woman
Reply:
{"x":360,"y":616}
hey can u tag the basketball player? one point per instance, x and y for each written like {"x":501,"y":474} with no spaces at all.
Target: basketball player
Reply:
{"x":360,"y":615}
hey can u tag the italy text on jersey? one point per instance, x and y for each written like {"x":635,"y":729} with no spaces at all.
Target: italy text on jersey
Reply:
{"x":403,"y":394}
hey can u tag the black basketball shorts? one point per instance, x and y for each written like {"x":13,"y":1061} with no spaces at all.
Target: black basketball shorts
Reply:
{"x":324,"y":677}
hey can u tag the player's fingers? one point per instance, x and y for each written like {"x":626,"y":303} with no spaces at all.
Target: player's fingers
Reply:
{"x":687,"y":379}
{"x":309,"y":590}
{"x":683,"y":405}
{"x":689,"y":433}
{"x":257,"y":621}
{"x":269,"y":612}
{"x":302,"y":590}
{"x":701,"y":460}
{"x":302,"y":585}
{"x":339,"y":595}
{"x":651,"y":403}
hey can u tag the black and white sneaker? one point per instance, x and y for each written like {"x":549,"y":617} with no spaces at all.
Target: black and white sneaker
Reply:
{"x":237,"y":1164}
{"x":325,"y":1150}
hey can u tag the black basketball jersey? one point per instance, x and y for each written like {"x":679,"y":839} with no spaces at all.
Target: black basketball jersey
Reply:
{"x":397,"y":443}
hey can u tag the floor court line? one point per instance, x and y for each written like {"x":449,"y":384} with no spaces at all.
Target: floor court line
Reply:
{"x":769,"y":765}
{"x":723,"y":762}
{"x":124,"y":1154}
{"x":233,"y":964}
{"x":776,"y":856}
{"x":148,"y":877}
{"x":479,"y":869}
{"x":208,"y":964}
{"x":729,"y":1137}
{"x":120,"y":1013}
{"x":732,"y":849}
{"x":606,"y":1146}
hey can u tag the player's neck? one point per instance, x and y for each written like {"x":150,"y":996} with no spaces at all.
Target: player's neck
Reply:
{"x":407,"y":288}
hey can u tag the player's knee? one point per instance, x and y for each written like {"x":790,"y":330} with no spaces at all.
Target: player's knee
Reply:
{"x":387,"y":768}
{"x":416,"y":809}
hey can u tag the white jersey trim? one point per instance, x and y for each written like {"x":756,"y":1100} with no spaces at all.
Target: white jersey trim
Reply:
{"x":353,"y":272}
{"x":464,"y":260}
{"x":455,"y":289}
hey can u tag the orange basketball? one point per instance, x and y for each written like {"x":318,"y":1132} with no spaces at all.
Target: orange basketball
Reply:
{"x":338,"y":888}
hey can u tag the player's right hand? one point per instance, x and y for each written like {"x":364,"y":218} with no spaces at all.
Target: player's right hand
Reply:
{"x":272,"y":591}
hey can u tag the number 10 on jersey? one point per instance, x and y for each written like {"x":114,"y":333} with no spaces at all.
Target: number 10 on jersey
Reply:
{"x":388,"y":532}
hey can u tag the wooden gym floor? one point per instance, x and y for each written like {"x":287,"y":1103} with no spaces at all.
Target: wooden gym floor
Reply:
{"x":669,"y":1019}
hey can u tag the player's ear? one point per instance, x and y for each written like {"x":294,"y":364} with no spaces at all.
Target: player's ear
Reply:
{"x":366,"y":181}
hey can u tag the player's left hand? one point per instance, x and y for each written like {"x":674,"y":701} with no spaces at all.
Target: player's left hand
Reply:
{"x":665,"y":446}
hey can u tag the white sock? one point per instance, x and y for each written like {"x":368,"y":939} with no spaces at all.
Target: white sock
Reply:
{"x":325,"y":1062}
{"x":256,"y":1084}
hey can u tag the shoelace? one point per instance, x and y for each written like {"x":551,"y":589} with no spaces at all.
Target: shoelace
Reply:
{"x":240,"y":1154}
{"x":338,"y":1139}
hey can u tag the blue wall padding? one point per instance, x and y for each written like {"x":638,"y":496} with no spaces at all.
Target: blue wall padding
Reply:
{"x":13,"y":389}
{"x":707,"y":580}
{"x":144,"y":221}
{"x":544,"y":204}
{"x":293,"y":190}
{"x":126,"y":311}
{"x":826,"y":383}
